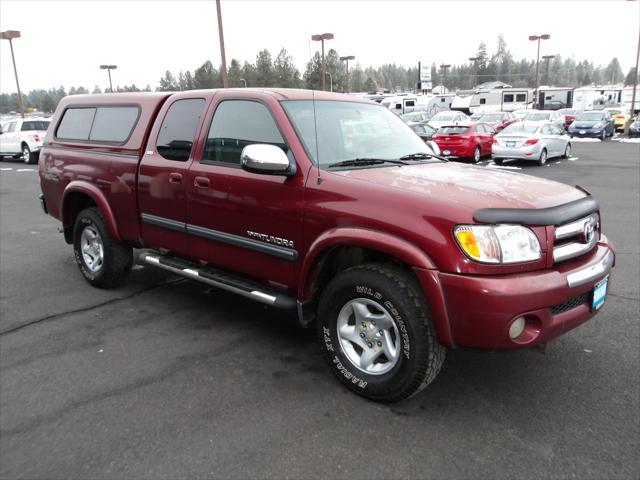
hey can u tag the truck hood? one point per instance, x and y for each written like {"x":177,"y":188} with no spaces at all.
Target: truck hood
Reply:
{"x":468,"y":185}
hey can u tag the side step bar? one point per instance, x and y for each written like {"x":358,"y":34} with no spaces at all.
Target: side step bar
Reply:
{"x":220,"y":279}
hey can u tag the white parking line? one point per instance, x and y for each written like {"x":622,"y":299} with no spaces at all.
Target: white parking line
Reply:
{"x":26,"y":170}
{"x":5,"y":169}
{"x":573,"y":159}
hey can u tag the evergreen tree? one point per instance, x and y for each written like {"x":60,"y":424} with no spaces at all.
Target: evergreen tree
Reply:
{"x":285,"y":73}
{"x":206,"y":77}
{"x":264,"y":69}
{"x":630,"y":78}
{"x":234,"y":74}
{"x":167,"y":83}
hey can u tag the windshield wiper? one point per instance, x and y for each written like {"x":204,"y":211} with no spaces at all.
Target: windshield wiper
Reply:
{"x":422,"y":156}
{"x":357,"y":162}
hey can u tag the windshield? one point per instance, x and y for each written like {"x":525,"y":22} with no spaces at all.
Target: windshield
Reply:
{"x":614,"y":112}
{"x":491,"y":117}
{"x":536,"y":117}
{"x":520,"y":127}
{"x":589,"y":116}
{"x":453,"y":130}
{"x":350,"y":130}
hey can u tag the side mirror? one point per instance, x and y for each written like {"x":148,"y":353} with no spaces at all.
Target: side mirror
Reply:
{"x":266,"y":159}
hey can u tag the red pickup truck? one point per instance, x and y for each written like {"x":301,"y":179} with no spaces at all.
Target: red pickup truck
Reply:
{"x":331,"y":206}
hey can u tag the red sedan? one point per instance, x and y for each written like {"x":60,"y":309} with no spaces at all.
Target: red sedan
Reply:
{"x":569,"y":116}
{"x":465,"y":141}
{"x":498,"y":120}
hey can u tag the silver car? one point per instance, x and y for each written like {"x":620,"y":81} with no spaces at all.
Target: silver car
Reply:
{"x":545,"y":117}
{"x":530,"y":141}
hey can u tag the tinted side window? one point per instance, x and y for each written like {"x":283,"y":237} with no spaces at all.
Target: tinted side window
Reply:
{"x":521,"y":97}
{"x":76,"y":124}
{"x":409,"y":103}
{"x":113,"y":124}
{"x":483,"y":101}
{"x":178,"y":129}
{"x":11,"y":127}
{"x":508,"y":98}
{"x":236,"y":124}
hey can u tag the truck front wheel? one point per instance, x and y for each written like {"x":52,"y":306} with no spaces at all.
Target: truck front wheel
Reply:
{"x":102,"y":261}
{"x":376,"y":334}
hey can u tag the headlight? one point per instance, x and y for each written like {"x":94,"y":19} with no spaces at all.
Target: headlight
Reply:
{"x":597,"y":125}
{"x":498,"y":243}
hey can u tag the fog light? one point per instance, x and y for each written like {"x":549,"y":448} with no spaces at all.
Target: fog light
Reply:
{"x":516,"y":328}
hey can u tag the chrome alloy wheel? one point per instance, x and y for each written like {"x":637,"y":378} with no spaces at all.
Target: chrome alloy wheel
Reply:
{"x":368,"y":336}
{"x":92,"y":248}
{"x":26,"y":154}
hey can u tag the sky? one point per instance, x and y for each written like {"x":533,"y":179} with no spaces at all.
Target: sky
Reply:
{"x":64,"y":42}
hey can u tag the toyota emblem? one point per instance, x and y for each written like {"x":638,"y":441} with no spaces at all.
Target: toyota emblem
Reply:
{"x":588,"y":232}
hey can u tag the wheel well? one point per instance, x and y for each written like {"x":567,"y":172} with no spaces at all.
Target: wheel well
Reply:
{"x":74,"y":203}
{"x":336,"y":260}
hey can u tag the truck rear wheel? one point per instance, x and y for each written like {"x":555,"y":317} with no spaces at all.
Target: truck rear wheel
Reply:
{"x":376,"y":334}
{"x":102,"y":261}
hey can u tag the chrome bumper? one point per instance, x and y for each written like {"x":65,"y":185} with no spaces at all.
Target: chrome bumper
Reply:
{"x":592,"y":272}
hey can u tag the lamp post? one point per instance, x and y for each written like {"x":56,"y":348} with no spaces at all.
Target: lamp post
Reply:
{"x":331,"y":79}
{"x":321,"y":38}
{"x":108,"y":68}
{"x":10,"y":35}
{"x":534,"y":38}
{"x":547,"y":59}
{"x":225,"y":79}
{"x":244,"y":81}
{"x":444,"y":75}
{"x":475,"y":68}
{"x":346,"y":59}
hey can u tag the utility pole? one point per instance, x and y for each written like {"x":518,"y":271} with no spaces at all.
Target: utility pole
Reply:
{"x":533,"y":38}
{"x":321,"y":38}
{"x":475,"y":69}
{"x":10,"y":35}
{"x":225,"y":80}
{"x":635,"y":88}
{"x":547,"y":59}
{"x":444,"y":75}
{"x":346,"y":59}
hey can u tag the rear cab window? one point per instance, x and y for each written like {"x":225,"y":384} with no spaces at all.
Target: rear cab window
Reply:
{"x":454,"y":130}
{"x":178,"y":129}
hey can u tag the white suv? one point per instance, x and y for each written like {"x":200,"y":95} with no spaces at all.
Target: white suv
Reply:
{"x":23,"y":138}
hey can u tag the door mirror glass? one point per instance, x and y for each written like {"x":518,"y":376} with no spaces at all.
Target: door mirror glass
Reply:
{"x":265,"y":159}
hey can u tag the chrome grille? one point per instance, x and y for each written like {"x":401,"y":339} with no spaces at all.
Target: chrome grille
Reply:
{"x":576,"y":238}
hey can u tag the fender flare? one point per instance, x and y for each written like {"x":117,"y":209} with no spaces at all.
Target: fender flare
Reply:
{"x":93,"y":192}
{"x":359,"y":237}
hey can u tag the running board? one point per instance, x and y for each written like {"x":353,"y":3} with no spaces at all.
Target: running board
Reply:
{"x":218,"y":278}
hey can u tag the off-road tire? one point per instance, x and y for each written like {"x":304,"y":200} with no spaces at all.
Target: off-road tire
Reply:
{"x":117,"y":259}
{"x":421,"y":356}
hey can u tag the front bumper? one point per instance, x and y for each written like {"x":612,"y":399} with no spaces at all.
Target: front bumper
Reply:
{"x":477,"y":311}
{"x":585,"y":132}
{"x":529,"y":152}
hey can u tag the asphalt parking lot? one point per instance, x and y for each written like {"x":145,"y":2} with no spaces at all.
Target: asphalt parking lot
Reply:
{"x":167,"y":378}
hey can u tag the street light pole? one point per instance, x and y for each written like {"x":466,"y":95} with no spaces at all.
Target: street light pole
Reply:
{"x":321,"y":38}
{"x":346,"y":59}
{"x":533,"y":38}
{"x":331,"y":79}
{"x":225,"y":79}
{"x":547,"y":59}
{"x":475,"y":68}
{"x":444,"y":75}
{"x":108,"y":68}
{"x":245,"y":82}
{"x":10,"y":35}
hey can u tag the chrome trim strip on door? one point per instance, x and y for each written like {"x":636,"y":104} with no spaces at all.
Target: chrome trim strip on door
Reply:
{"x":222,"y":237}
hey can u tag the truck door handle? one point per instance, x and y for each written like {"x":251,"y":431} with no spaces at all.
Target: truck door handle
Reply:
{"x":175,"y":177}
{"x":201,"y":182}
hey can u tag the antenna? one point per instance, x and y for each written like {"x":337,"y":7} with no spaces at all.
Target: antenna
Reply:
{"x":315,"y":127}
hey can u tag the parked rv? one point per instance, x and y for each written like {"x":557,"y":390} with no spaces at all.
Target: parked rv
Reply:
{"x":596,"y":98}
{"x":500,"y":100}
{"x":555,"y":98}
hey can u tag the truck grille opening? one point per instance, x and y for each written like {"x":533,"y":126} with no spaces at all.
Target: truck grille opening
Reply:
{"x":571,"y":304}
{"x":576,"y":238}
